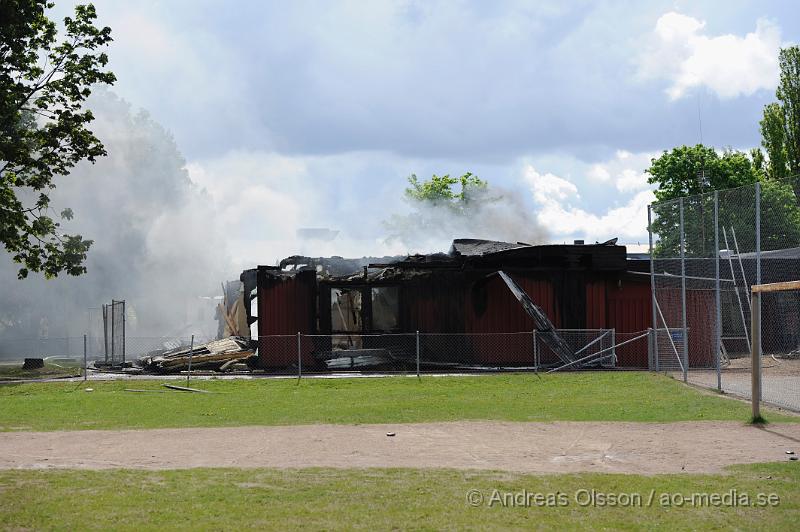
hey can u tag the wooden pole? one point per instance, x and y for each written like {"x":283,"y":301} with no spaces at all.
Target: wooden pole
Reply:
{"x":775,"y":287}
{"x":755,"y":348}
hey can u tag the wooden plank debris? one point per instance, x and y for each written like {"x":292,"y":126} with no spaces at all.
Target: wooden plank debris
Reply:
{"x":216,"y":355}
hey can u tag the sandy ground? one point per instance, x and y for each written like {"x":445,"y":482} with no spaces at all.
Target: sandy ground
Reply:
{"x":560,"y":447}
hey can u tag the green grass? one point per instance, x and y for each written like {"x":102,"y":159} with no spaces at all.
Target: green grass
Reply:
{"x":622,"y":396}
{"x":380,"y":499}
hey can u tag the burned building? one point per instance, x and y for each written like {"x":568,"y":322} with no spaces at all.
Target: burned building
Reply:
{"x":455,"y":300}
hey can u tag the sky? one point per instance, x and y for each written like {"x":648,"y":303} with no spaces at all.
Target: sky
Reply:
{"x":313,"y":114}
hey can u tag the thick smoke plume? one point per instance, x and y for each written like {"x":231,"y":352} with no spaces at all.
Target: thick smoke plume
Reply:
{"x":156,"y":244}
{"x":163,"y":242}
{"x":492,"y":213}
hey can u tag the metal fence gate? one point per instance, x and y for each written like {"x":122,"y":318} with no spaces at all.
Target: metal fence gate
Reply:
{"x":114,"y":332}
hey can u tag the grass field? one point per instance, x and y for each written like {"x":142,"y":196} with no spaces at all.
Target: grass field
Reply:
{"x":621,"y":396}
{"x":381,"y":499}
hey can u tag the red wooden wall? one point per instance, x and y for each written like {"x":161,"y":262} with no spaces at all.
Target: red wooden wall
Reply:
{"x":285,"y":307}
{"x":504,"y":314}
{"x":629,"y":311}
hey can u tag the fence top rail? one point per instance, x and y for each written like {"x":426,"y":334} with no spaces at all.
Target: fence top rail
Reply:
{"x":775,"y":287}
{"x":413,"y":333}
{"x":346,"y":334}
{"x":421,"y":333}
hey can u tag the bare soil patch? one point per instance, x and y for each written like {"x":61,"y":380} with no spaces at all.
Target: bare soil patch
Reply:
{"x":558,"y":447}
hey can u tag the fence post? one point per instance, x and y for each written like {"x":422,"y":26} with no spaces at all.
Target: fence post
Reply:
{"x":418,"y":354}
{"x":614,"y":345}
{"x":123,"y":333}
{"x":299,"y":357}
{"x":105,"y":333}
{"x":191,"y":352}
{"x":113,"y":333}
{"x":755,"y":361}
{"x":758,"y":278}
{"x":718,"y":340}
{"x":535,"y":353}
{"x":85,"y":367}
{"x":653,"y":355}
{"x":683,"y":299}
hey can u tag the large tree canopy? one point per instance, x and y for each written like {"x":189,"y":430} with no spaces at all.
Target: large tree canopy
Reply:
{"x":44,"y":81}
{"x":689,"y":170}
{"x":693,"y":173}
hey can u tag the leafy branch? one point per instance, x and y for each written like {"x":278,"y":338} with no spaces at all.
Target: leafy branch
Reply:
{"x":44,"y":82}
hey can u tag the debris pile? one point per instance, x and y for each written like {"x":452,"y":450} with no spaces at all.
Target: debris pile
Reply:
{"x":219,"y":355}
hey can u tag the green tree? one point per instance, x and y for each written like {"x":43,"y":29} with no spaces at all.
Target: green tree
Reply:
{"x":444,"y":206}
{"x":689,"y":170}
{"x":773,"y":138}
{"x":438,"y":190}
{"x":788,"y":94}
{"x":44,"y":81}
{"x":693,"y":173}
{"x":780,"y":125}
{"x":759,"y":162}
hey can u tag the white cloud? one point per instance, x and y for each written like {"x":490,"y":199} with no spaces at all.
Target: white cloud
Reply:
{"x":729,"y":65}
{"x":598,"y":172}
{"x":631,"y":180}
{"x":555,"y":198}
{"x":547,"y":187}
{"x":625,"y":170}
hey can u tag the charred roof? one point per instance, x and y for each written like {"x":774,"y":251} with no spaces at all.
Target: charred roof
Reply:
{"x":464,"y":253}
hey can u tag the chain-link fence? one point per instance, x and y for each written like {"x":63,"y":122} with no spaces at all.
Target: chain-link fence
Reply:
{"x":451,"y":352}
{"x":309,"y":354}
{"x":707,"y":251}
{"x":52,"y":358}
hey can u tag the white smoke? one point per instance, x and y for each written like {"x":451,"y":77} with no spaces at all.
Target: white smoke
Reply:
{"x":167,"y":233}
{"x":493,"y":213}
{"x":156,"y":241}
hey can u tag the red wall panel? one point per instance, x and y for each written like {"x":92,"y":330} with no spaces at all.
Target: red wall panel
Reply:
{"x":504,"y":314}
{"x":285,"y":307}
{"x":629,"y":311}
{"x":628,"y":306}
{"x":596,"y":305}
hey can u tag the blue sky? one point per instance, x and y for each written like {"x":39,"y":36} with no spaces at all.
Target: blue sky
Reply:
{"x":311,"y":114}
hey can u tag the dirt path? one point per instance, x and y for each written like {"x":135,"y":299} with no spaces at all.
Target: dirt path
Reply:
{"x":560,"y":447}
